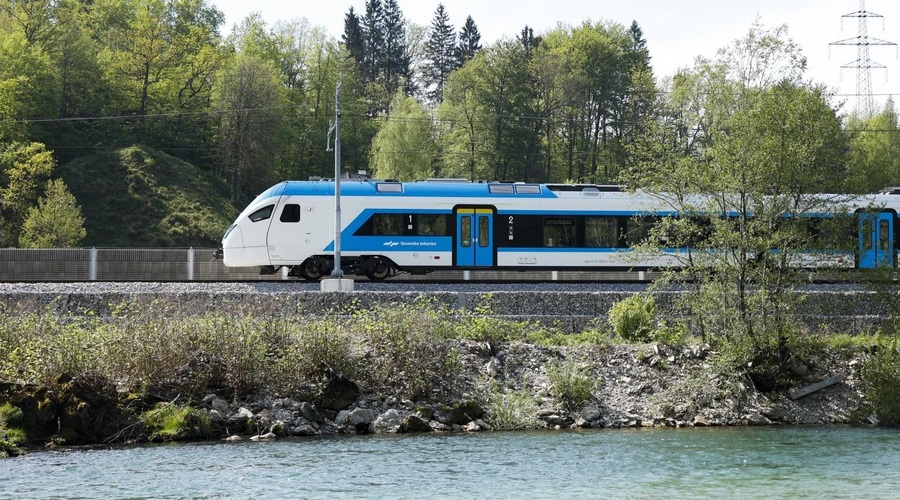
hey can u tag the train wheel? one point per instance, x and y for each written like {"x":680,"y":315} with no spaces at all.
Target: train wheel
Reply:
{"x":381,"y":271}
{"x":310,"y":270}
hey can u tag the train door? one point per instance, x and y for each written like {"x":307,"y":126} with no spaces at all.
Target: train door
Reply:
{"x":474,"y":237}
{"x":286,"y":238}
{"x":876,"y":239}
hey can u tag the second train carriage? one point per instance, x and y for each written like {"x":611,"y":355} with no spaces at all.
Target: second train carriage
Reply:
{"x":420,"y":227}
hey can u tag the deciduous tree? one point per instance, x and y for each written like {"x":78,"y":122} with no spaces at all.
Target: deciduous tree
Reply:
{"x":404,"y":148}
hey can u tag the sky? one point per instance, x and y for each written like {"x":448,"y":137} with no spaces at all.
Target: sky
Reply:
{"x":676,"y":32}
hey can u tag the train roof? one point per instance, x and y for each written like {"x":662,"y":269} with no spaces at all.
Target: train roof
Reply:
{"x":442,"y":188}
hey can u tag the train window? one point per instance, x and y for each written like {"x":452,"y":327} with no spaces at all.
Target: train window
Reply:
{"x":389,"y":187}
{"x":500,"y":188}
{"x":484,"y":238}
{"x":601,"y":232}
{"x":559,"y":231}
{"x":432,"y":225}
{"x":261,"y":214}
{"x":866,"y":235}
{"x":290,"y":213}
{"x":639,"y":229}
{"x":528,"y":188}
{"x":388,"y":224}
{"x":465,"y":231}
{"x":834,"y":234}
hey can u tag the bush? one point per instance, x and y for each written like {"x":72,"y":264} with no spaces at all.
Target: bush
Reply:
{"x":881,"y":374}
{"x":508,"y":411}
{"x":634,"y":318}
{"x":10,"y":415}
{"x":10,"y":438}
{"x":571,"y":383}
{"x":406,"y":347}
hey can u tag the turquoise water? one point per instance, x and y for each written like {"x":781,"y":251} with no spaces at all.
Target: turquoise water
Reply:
{"x":762,"y":462}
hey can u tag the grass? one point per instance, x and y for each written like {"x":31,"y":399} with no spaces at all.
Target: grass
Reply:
{"x":169,"y":422}
{"x":161,"y":348}
{"x":168,"y":202}
{"x":10,"y":437}
{"x":571,"y":383}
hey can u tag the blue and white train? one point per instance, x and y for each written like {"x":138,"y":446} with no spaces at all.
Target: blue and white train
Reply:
{"x":419,"y":227}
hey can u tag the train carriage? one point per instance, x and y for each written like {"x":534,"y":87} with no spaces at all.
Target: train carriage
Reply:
{"x":419,"y":227}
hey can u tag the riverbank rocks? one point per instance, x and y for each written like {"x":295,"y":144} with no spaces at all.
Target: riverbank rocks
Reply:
{"x":338,"y":392}
{"x":72,"y":411}
{"x":630,"y":386}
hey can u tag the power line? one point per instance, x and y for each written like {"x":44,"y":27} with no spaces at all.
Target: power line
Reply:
{"x":863,"y":64}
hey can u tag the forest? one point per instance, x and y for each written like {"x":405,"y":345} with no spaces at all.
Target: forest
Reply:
{"x":94,"y":92}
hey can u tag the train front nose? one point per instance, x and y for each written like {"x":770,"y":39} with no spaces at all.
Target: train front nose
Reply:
{"x":233,"y":250}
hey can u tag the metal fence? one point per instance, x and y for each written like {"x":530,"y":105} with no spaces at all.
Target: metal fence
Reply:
{"x":118,"y":264}
{"x":189,"y":264}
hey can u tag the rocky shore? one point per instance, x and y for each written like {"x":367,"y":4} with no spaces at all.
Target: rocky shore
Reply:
{"x":491,"y":387}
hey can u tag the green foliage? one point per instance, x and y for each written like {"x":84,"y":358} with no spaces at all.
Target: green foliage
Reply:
{"x":10,"y":437}
{"x":139,"y":197}
{"x":571,"y":383}
{"x":56,"y":222}
{"x":169,"y":422}
{"x":700,"y":389}
{"x":552,"y":336}
{"x":508,"y":410}
{"x":24,"y":170}
{"x":404,"y":148}
{"x":634,"y":318}
{"x":405,"y":345}
{"x":10,"y":415}
{"x":482,"y":325}
{"x":881,"y":373}
{"x":874,"y":162}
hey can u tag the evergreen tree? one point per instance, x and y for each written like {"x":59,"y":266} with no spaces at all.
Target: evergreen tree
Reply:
{"x":440,"y":51}
{"x":395,"y":65}
{"x":373,"y":40}
{"x":528,"y":41}
{"x":353,"y":37}
{"x":56,"y":221}
{"x":469,"y":42}
{"x":639,"y":51}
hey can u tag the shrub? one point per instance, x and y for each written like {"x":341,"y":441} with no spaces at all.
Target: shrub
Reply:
{"x":484,"y":326}
{"x":634,"y":318}
{"x":407,"y":347}
{"x":10,"y":415}
{"x":881,"y":374}
{"x":507,"y":411}
{"x":571,"y":383}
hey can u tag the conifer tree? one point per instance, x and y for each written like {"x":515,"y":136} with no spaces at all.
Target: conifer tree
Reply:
{"x":469,"y":42}
{"x":373,"y":40}
{"x":353,"y":37}
{"x":440,"y":51}
{"x":56,"y":221}
{"x":528,"y":41}
{"x":394,"y":65}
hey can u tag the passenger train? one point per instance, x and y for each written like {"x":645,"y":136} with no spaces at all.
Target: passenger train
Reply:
{"x":418,"y":227}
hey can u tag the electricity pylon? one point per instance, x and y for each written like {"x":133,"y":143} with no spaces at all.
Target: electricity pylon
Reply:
{"x":863,"y":64}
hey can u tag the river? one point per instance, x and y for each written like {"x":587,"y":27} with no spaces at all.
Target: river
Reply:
{"x":747,"y":462}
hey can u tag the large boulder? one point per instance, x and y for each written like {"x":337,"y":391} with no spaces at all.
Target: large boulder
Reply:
{"x":338,"y":392}
{"x":459,"y":413}
{"x":388,"y":422}
{"x":79,"y":410}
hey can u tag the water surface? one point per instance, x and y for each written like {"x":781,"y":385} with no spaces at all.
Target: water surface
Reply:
{"x":763,"y":462}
